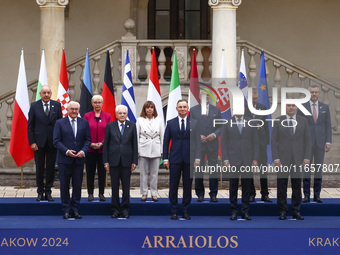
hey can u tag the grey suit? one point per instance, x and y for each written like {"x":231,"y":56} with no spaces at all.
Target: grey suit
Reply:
{"x":291,"y":150}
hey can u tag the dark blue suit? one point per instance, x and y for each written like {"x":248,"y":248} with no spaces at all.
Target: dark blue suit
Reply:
{"x":63,"y":140}
{"x":209,"y":149}
{"x":40,"y":131}
{"x":120,"y":151}
{"x":240,"y":149}
{"x":179,"y":159}
{"x":321,"y":133}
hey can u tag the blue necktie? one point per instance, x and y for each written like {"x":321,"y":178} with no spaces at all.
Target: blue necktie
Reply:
{"x":122,"y":130}
{"x":239,"y":124}
{"x":73,"y":128}
{"x":182,"y":127}
{"x":291,"y":128}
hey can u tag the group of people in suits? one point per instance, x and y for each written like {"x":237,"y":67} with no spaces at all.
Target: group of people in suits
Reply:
{"x":119,"y":146}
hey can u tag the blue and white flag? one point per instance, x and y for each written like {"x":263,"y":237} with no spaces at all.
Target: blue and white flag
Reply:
{"x":262,"y":89}
{"x":242,"y":79}
{"x":86,"y":89}
{"x":128,"y":97}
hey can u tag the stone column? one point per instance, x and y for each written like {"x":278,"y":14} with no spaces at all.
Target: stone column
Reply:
{"x":52,"y":38}
{"x":224,"y":36}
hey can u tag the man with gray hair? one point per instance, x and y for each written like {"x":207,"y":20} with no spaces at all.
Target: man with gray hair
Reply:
{"x":72,"y":138}
{"x":120,"y":157}
{"x":42,"y":117}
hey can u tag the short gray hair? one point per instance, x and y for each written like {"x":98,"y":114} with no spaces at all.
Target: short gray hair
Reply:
{"x":121,"y":106}
{"x":73,"y":102}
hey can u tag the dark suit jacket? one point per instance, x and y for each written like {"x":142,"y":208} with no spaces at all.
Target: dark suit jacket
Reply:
{"x":118,"y":148}
{"x":40,"y":127}
{"x":264,"y":130}
{"x":285,"y":147}
{"x":180,"y":145}
{"x":195,"y":140}
{"x":321,"y":131}
{"x":239,"y":149}
{"x":206,"y":124}
{"x":63,"y":139}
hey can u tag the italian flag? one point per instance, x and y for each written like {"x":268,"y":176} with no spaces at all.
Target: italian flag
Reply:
{"x":42,"y":75}
{"x":175,"y":91}
{"x":154,"y":92}
{"x":63,"y":95}
{"x":19,"y":146}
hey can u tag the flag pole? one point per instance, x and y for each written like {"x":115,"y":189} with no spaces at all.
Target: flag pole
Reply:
{"x":22,"y":177}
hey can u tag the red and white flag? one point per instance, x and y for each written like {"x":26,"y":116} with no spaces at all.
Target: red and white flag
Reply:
{"x":63,"y":95}
{"x":19,"y":146}
{"x":154,"y":92}
{"x":194,"y":91}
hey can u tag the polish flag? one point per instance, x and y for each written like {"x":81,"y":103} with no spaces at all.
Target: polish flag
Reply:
{"x":63,"y":95}
{"x":19,"y":146}
{"x":194,"y":91}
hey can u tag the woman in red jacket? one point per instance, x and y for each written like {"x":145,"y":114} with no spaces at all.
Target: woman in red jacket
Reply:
{"x":94,"y":158}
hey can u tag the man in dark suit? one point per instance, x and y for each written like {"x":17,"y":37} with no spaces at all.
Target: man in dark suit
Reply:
{"x":72,"y":138}
{"x":321,"y":138}
{"x":263,"y":131}
{"x":41,"y":120}
{"x":239,"y":145}
{"x":120,"y":157}
{"x":179,"y":131}
{"x":209,"y":145}
{"x":290,"y":149}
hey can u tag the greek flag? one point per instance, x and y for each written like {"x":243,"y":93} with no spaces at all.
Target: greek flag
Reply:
{"x":128,"y":97}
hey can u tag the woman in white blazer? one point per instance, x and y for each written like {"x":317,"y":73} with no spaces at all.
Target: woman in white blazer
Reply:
{"x":150,"y":130}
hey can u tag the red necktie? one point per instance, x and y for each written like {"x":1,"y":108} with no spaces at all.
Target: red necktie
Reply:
{"x":314,"y":114}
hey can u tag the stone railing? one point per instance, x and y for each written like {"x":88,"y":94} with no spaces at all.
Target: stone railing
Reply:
{"x":280,"y":72}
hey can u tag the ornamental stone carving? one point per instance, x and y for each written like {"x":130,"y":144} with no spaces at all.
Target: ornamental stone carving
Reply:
{"x":52,"y":2}
{"x":217,"y":2}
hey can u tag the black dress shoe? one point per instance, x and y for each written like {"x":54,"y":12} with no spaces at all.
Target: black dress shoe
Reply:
{"x":317,"y":199}
{"x":266,"y":199}
{"x":306,"y":199}
{"x":186,"y":216}
{"x":115,"y":215}
{"x":246,"y":216}
{"x":213,"y":199}
{"x":298,"y":216}
{"x":101,"y":197}
{"x":125,"y":216}
{"x":48,"y":197}
{"x":90,"y":197}
{"x":233,"y":216}
{"x":282,"y":216}
{"x":251,"y":199}
{"x":76,"y":215}
{"x":200,"y":199}
{"x":40,"y":197}
{"x":174,"y":216}
{"x":66,"y":216}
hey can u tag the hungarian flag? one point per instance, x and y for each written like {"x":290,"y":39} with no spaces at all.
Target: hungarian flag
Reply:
{"x":86,"y":89}
{"x":63,"y":95}
{"x":109,"y":103}
{"x":19,"y":146}
{"x":175,"y":93}
{"x":42,"y":75}
{"x":194,"y":91}
{"x":154,"y":92}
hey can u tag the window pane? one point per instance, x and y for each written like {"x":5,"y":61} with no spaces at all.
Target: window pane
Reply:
{"x":192,"y":5}
{"x":162,"y":4}
{"x":162,"y":25}
{"x":192,"y":25}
